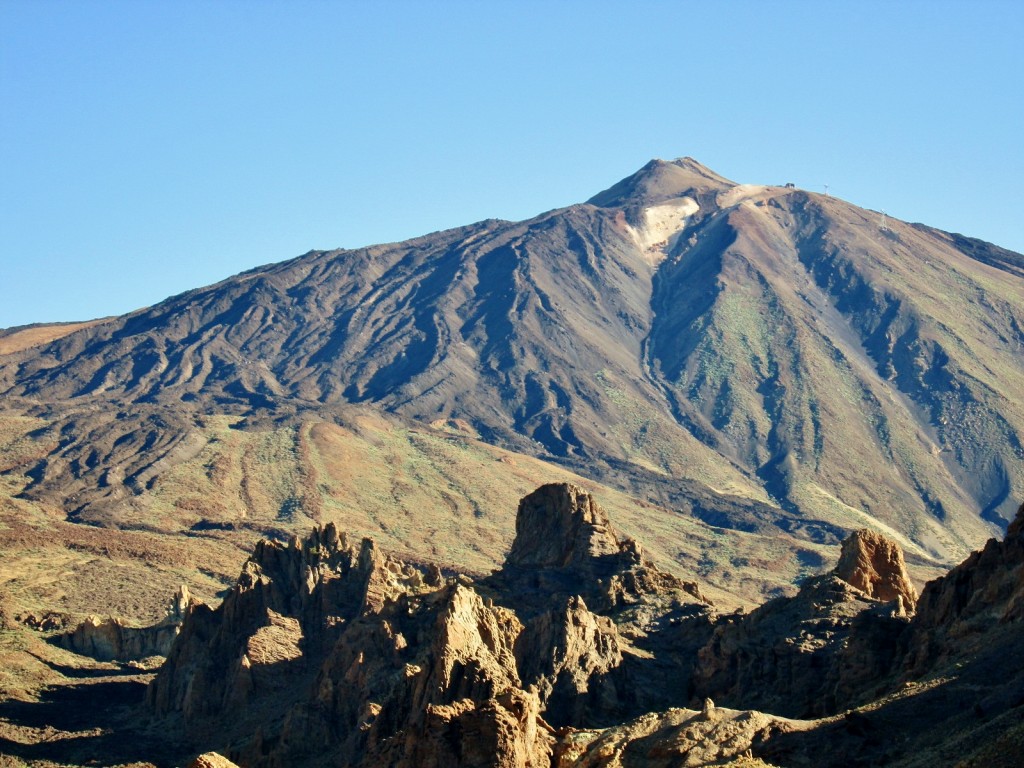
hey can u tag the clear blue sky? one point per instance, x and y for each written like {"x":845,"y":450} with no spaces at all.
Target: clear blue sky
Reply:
{"x":151,"y":147}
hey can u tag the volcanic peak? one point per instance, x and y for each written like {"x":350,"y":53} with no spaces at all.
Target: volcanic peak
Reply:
{"x":662,"y":180}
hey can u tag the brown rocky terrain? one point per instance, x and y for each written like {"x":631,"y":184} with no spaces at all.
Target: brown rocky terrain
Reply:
{"x":110,"y":639}
{"x":398,"y":661}
{"x":25,"y":337}
{"x":580,"y":652}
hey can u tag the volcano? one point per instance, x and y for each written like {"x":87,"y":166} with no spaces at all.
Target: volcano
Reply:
{"x":748,"y":360}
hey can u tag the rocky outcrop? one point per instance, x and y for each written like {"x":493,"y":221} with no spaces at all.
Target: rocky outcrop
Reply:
{"x":569,"y":656}
{"x":579,"y":652}
{"x":598,"y":614}
{"x":975,"y":603}
{"x":424,"y":682}
{"x":212,"y":760}
{"x":329,"y":650}
{"x":111,"y":639}
{"x":824,"y":648}
{"x":565,"y":546}
{"x":289,"y":606}
{"x":561,"y":526}
{"x":800,"y":656}
{"x":677,"y":737}
{"x":941,"y":688}
{"x":874,"y":564}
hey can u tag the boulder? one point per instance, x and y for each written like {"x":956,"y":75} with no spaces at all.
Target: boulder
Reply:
{"x":212,"y":760}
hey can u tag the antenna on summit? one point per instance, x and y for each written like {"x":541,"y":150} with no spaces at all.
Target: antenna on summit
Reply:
{"x":882,"y":222}
{"x":826,"y":190}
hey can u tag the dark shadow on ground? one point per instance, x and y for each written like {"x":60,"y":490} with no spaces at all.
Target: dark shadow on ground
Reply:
{"x":80,"y":673}
{"x":104,"y":723}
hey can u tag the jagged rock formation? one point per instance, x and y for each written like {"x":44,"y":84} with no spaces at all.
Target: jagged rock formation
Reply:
{"x":941,"y":688}
{"x":874,"y":564}
{"x":801,"y":656}
{"x":566,"y":546}
{"x":977,"y":602}
{"x":212,"y":760}
{"x":289,"y":605}
{"x":822,"y":649}
{"x":559,"y":527}
{"x":329,"y":652}
{"x":110,"y":639}
{"x":332,"y":647}
{"x":713,"y":736}
{"x":433,"y":684}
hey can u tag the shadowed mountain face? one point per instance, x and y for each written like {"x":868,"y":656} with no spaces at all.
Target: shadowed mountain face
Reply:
{"x":679,"y":336}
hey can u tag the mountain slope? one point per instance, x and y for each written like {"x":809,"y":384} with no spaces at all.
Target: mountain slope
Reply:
{"x":678,"y":336}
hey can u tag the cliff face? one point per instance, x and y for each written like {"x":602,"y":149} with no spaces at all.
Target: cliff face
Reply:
{"x":111,"y":639}
{"x":978,"y":603}
{"x":822,"y":649}
{"x":378,"y":662}
{"x":328,"y":652}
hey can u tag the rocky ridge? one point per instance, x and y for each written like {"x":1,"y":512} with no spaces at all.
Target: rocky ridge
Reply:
{"x":328,"y":652}
{"x":111,"y":639}
{"x":400,"y":663}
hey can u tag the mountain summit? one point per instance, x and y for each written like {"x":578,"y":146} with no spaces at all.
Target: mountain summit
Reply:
{"x":757,"y":357}
{"x":662,"y":180}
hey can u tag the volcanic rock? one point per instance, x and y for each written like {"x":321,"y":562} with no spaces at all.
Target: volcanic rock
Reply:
{"x":979,"y":600}
{"x":874,"y":564}
{"x":334,"y":653}
{"x":110,"y":639}
{"x":565,"y":546}
{"x":212,"y":760}
{"x":674,"y":738}
{"x":291,"y":600}
{"x":561,"y":526}
{"x":820,"y":650}
{"x":337,"y":648}
{"x":568,"y":655}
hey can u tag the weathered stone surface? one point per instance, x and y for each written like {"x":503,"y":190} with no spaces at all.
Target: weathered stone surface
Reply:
{"x":559,"y":526}
{"x":565,"y":546}
{"x":430,"y":682}
{"x":212,"y":760}
{"x":569,"y":655}
{"x":824,"y":648}
{"x":874,"y":564}
{"x":334,"y":652}
{"x":110,"y":639}
{"x":328,"y":653}
{"x":673,"y":739}
{"x":792,"y":655}
{"x":263,"y":643}
{"x":982,"y":596}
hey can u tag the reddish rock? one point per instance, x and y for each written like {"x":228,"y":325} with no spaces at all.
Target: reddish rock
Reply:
{"x":111,"y":639}
{"x":560,"y":525}
{"x":212,"y":760}
{"x":874,"y":564}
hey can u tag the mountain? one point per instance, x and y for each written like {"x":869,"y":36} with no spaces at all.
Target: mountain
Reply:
{"x":760,"y":359}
